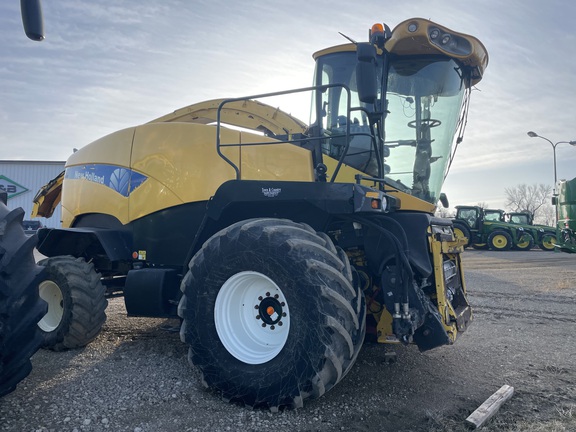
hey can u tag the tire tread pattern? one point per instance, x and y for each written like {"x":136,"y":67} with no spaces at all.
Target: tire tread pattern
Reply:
{"x":85,"y":304}
{"x":20,"y":306}
{"x":322,"y":288}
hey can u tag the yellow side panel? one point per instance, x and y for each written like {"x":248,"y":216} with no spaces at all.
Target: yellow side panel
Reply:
{"x":171,"y":164}
{"x":283,"y":162}
{"x":113,"y":149}
{"x":81,"y":196}
{"x":181,"y":163}
{"x":66,"y":218}
{"x":84,"y":196}
{"x":347,"y":174}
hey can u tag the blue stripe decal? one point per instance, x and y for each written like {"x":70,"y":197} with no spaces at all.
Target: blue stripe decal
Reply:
{"x":121,"y":180}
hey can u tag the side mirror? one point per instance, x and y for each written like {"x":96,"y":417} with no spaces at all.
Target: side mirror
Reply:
{"x":444,"y":200}
{"x":366,"y":73}
{"x":554,"y":200}
{"x":32,"y":19}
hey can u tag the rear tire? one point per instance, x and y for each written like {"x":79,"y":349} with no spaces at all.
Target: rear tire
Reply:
{"x":76,"y":303}
{"x":480,"y":246}
{"x":499,"y":241}
{"x":20,"y":305}
{"x":526,"y":244}
{"x":248,"y":279}
{"x":547,"y":243}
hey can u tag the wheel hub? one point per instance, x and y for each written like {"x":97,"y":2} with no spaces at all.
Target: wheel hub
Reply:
{"x":270,"y":311}
{"x":252,"y":318}
{"x":50,"y":292}
{"x":500,"y":241}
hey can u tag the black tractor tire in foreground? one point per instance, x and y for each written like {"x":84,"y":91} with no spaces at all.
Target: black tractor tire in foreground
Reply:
{"x":271,"y":314}
{"x":20,"y":306}
{"x":76,"y":303}
{"x":525,"y":243}
{"x":499,"y":241}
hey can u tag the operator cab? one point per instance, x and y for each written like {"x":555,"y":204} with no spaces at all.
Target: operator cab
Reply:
{"x":520,"y":218}
{"x":471,"y":215}
{"x":406,"y":134}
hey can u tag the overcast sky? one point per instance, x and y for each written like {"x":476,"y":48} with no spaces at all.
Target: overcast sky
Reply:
{"x":108,"y":64}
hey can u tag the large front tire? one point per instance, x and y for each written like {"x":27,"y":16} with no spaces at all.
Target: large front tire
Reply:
{"x":270,"y":317}
{"x":76,"y":303}
{"x":20,"y":305}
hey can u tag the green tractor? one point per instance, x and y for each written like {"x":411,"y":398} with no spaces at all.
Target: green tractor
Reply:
{"x":544,"y":236}
{"x":565,"y":202}
{"x":487,"y":229}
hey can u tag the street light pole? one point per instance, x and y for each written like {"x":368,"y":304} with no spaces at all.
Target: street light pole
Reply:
{"x":572,"y":143}
{"x":554,"y":199}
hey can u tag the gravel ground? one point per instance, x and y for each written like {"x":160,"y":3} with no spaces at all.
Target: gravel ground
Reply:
{"x":135,"y":376}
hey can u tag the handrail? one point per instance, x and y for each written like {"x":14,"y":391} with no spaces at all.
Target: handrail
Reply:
{"x":321,"y":88}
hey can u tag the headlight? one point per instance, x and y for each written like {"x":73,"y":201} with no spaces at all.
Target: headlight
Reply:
{"x":452,"y":43}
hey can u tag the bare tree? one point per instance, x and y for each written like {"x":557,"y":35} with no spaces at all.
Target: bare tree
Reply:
{"x":534,"y":199}
{"x":442,"y":212}
{"x":483,"y":205}
{"x":546,"y":215}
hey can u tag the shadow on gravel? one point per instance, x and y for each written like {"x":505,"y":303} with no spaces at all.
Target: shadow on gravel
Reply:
{"x":136,"y":374}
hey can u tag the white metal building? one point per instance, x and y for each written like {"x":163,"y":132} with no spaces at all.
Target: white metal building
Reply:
{"x":22,"y":179}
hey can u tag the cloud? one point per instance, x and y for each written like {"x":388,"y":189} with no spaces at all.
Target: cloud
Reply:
{"x":108,"y":65}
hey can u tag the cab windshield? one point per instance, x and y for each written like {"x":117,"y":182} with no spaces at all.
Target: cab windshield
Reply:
{"x":420,"y":116}
{"x":519,"y":219}
{"x":493,"y":215}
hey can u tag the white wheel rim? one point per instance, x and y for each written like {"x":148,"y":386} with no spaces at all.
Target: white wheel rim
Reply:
{"x":243,"y":320}
{"x":51,"y":294}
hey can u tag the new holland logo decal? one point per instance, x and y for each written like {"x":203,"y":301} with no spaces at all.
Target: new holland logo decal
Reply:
{"x":121,"y":180}
{"x":11,"y":187}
